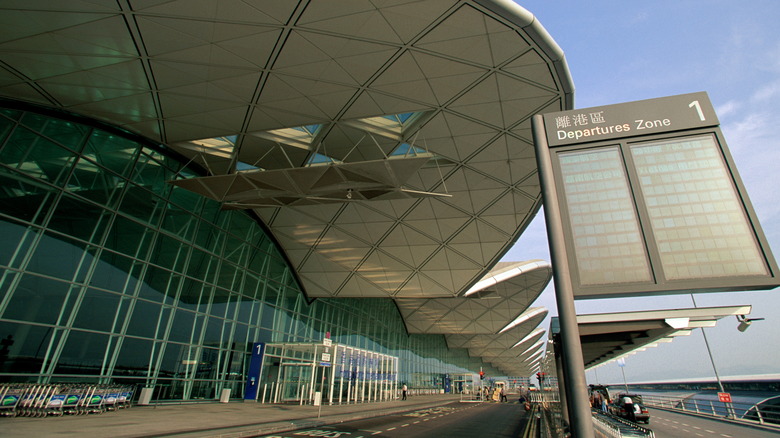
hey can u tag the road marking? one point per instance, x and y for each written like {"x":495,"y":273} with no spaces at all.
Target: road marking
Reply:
{"x":405,"y":425}
{"x":727,"y":436}
{"x":709,"y":431}
{"x":416,"y":422}
{"x":392,"y":428}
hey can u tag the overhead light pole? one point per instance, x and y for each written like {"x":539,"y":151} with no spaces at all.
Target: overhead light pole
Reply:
{"x":729,"y":408}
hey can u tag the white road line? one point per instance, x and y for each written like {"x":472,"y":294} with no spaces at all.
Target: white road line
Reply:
{"x":405,"y":425}
{"x":392,"y":428}
{"x":709,"y":431}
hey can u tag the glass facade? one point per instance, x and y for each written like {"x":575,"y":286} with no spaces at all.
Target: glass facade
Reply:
{"x":108,"y":274}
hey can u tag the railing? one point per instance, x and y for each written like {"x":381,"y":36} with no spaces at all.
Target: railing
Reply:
{"x":603,"y":428}
{"x":768,"y":415}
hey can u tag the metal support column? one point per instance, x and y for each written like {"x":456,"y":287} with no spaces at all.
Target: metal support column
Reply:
{"x":573,"y":366}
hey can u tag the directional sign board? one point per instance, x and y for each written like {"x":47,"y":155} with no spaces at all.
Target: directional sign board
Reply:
{"x":650,"y":200}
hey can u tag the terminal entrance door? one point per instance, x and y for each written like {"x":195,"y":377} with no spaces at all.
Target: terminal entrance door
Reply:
{"x":296,"y":372}
{"x":293,"y":382}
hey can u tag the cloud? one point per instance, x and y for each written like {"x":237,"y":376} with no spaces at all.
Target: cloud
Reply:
{"x":728,"y":108}
{"x":766,"y":93}
{"x":754,"y":145}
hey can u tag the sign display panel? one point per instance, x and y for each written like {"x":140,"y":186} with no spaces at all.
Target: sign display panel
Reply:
{"x":699,"y":225}
{"x":604,"y":223}
{"x":646,"y":117}
{"x":650,"y":200}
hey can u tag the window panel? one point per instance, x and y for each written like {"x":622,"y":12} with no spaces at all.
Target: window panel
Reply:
{"x":183,"y":324}
{"x":97,"y":310}
{"x":113,"y":273}
{"x":83,"y":353}
{"x":144,"y":319}
{"x":111,"y":152}
{"x":64,"y":132}
{"x":38,"y":157}
{"x":142,"y":205}
{"x":26,"y":346}
{"x":134,"y":357}
{"x":37,"y":299}
{"x":24,"y":198}
{"x":79,"y":219}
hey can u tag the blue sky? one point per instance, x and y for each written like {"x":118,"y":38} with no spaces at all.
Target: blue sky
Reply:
{"x":621,"y":51}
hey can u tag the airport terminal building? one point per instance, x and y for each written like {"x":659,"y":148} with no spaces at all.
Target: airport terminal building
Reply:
{"x":184,"y":180}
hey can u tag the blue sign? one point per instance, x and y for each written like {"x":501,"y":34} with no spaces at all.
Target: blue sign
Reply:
{"x":253,"y":374}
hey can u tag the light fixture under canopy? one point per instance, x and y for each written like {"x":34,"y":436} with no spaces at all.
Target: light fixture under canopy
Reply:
{"x":335,"y":182}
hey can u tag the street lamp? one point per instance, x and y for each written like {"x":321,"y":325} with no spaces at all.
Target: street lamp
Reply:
{"x":744,"y":322}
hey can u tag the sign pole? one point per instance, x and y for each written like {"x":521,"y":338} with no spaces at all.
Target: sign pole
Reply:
{"x":581,"y":424}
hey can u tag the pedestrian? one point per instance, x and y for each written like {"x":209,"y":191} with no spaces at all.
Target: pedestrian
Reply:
{"x":403,"y":392}
{"x":503,"y":395}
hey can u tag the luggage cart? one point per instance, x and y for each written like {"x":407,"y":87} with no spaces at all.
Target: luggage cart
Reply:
{"x":95,"y":402}
{"x":74,"y":400}
{"x":125,"y":397}
{"x":9,"y":399}
{"x":56,"y":402}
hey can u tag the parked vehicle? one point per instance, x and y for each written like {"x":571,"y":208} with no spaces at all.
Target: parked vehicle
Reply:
{"x":639,"y":412}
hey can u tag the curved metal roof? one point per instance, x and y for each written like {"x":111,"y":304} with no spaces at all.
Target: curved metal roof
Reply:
{"x":229,"y":83}
{"x":489,"y":310}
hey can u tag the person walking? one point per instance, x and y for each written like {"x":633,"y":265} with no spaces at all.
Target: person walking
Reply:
{"x":403,"y":392}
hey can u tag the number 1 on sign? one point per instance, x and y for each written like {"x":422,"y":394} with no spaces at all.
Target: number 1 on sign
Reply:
{"x":695,"y":103}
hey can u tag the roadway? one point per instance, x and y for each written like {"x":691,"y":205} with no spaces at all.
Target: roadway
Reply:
{"x":667,"y":424}
{"x":454,"y":420}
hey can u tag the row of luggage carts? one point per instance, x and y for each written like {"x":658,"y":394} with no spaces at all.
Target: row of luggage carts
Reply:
{"x":34,"y":400}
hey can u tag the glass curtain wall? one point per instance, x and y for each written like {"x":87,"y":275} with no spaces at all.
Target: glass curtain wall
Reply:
{"x":108,"y":274}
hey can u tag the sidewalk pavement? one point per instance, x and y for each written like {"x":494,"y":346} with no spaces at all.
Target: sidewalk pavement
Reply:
{"x":224,"y":420}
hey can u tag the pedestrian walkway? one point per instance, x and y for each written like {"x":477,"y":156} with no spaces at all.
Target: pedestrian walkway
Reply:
{"x":234,"y":419}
